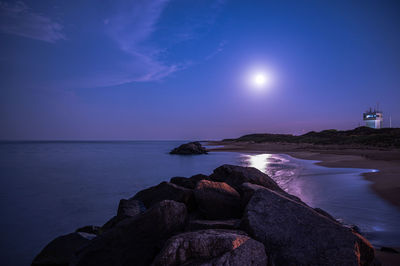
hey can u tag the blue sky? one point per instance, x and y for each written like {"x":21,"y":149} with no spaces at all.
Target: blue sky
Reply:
{"x":175,"y":69}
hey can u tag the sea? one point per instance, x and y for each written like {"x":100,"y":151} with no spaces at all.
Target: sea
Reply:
{"x":48,"y":189}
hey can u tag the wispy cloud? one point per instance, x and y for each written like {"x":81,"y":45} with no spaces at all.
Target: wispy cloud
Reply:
{"x":19,"y":19}
{"x":137,"y":28}
{"x":133,"y":28}
{"x":130,"y":28}
{"x":134,"y":22}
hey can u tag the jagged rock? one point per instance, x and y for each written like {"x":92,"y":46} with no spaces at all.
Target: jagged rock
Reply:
{"x":295,"y":234}
{"x":126,"y":208}
{"x":212,"y":247}
{"x":235,"y":176}
{"x":217,"y":200}
{"x":60,"y":251}
{"x":188,"y":182}
{"x":213,"y":224}
{"x":90,"y":229}
{"x":135,"y":240}
{"x":166,"y":191}
{"x":189,"y":149}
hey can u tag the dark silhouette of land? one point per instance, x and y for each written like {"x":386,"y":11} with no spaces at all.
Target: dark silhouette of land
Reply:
{"x":359,"y":137}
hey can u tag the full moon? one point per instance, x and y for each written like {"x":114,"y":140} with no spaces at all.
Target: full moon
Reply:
{"x":260,"y":80}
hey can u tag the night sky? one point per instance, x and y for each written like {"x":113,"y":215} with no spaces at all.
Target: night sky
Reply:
{"x":144,"y":69}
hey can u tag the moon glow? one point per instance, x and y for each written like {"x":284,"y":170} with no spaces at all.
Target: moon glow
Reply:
{"x":260,"y":80}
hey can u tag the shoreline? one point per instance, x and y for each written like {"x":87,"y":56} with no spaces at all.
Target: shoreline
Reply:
{"x":385,"y":182}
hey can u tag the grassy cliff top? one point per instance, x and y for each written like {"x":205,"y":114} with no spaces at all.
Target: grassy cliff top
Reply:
{"x":364,"y":136}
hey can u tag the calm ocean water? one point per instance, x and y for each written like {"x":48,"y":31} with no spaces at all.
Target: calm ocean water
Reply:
{"x":51,"y":188}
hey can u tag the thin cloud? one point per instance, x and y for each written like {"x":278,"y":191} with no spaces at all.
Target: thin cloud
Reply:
{"x":130,"y":28}
{"x":19,"y":19}
{"x":134,"y":27}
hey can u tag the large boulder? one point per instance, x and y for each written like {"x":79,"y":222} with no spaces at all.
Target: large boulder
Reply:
{"x":165,"y":191}
{"x":136,"y":240}
{"x":188,"y":182}
{"x":295,"y":234}
{"x":60,"y":251}
{"x":189,"y":149}
{"x":126,"y":208}
{"x":235,"y":176}
{"x":217,"y":200}
{"x":248,"y":189}
{"x":212,"y":247}
{"x":130,"y":208}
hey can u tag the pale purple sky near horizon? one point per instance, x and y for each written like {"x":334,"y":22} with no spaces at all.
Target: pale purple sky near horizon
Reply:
{"x":173,"y":69}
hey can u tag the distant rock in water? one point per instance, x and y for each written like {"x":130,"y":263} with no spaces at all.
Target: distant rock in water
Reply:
{"x":236,"y":216}
{"x":189,"y":148}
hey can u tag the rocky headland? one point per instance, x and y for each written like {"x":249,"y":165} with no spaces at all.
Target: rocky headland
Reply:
{"x":235,"y":216}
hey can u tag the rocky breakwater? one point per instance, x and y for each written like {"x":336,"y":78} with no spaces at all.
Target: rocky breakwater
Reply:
{"x":190,"y":148}
{"x":235,"y":216}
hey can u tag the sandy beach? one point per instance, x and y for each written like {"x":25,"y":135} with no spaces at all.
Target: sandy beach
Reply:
{"x":385,"y":182}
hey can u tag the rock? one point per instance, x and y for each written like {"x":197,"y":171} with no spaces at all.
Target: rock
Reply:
{"x":135,"y":240}
{"x":213,"y":224}
{"x":351,"y":227}
{"x":212,"y":247}
{"x":110,"y":224}
{"x":183,"y":182}
{"x":166,"y":191}
{"x":389,"y":249}
{"x":235,"y":176}
{"x":199,"y":177}
{"x":248,"y":189}
{"x":356,"y":229}
{"x":295,"y":234}
{"x":217,"y":200}
{"x":126,"y":208}
{"x":189,"y":149}
{"x":60,"y":251}
{"x":130,"y":208}
{"x":188,"y":182}
{"x":90,"y":229}
{"x":324,"y":213}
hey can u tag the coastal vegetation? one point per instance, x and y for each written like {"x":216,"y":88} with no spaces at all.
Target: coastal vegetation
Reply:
{"x":358,"y":137}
